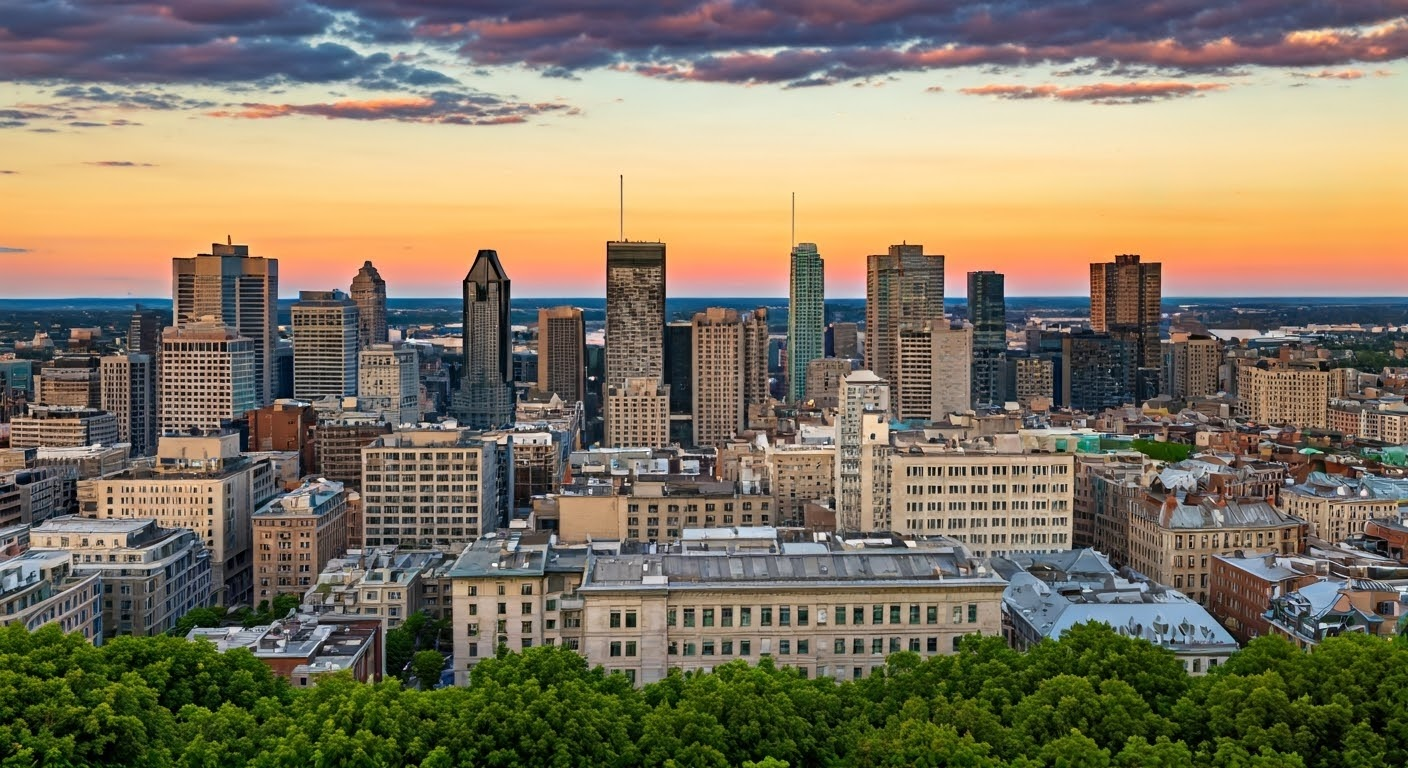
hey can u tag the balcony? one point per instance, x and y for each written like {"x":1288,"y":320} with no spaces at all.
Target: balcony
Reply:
{"x":571,"y":603}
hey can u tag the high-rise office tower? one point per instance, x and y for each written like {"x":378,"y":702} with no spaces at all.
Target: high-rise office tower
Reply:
{"x":635,"y":311}
{"x":719,"y":411}
{"x":1097,"y":372}
{"x":842,"y":340}
{"x":486,"y":391}
{"x":755,"y":358}
{"x":324,"y":345}
{"x":635,"y":327}
{"x":207,"y":376}
{"x":236,"y":290}
{"x":144,"y":332}
{"x":679,"y":378}
{"x":903,"y":286}
{"x":562,"y":353}
{"x":388,"y":382}
{"x":806,"y":317}
{"x":935,"y":371}
{"x":987,"y":310}
{"x":369,"y":292}
{"x":1125,"y":301}
{"x":129,"y":393}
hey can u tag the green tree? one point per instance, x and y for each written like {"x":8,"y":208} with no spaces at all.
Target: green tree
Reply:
{"x":426,"y":667}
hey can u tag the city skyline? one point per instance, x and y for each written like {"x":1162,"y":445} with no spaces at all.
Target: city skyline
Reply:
{"x":1245,"y":145}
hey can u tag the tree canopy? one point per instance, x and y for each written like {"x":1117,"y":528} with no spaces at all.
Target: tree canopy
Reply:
{"x":1092,"y":699}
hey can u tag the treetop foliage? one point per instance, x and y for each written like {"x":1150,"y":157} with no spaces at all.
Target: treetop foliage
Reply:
{"x":1094,"y":699}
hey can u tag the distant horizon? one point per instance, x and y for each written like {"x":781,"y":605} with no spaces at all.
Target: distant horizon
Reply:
{"x":157,"y":301}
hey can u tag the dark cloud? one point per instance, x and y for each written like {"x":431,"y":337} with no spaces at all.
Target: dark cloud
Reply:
{"x":441,"y":107}
{"x":4,"y":172}
{"x":122,"y":47}
{"x":1098,"y":93}
{"x":119,"y":164}
{"x":7,"y":249}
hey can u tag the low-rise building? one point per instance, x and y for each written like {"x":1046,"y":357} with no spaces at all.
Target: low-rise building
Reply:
{"x":301,"y":648}
{"x":41,"y":587}
{"x":1337,"y":507}
{"x":1244,"y":586}
{"x":384,"y":582}
{"x":295,"y":535}
{"x":60,"y":426}
{"x":1333,"y":607}
{"x":658,"y":511}
{"x":433,"y":487}
{"x":151,"y":576}
{"x":1048,"y":594}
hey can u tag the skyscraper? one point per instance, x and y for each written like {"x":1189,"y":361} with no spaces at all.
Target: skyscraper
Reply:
{"x":862,"y":453}
{"x":935,"y":371}
{"x":635,"y":329}
{"x":1125,"y":299}
{"x":562,"y":353}
{"x":207,"y":376}
{"x":806,"y":317}
{"x":903,"y":286}
{"x":144,"y":331}
{"x":987,"y":310}
{"x":719,"y":410}
{"x":129,"y":393}
{"x":755,"y":358}
{"x":635,"y":311}
{"x":324,"y":345}
{"x":679,"y":377}
{"x":486,"y":391}
{"x":369,"y":293}
{"x":236,"y":290}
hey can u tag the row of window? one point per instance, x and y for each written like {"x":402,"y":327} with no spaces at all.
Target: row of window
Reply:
{"x":785,"y":615}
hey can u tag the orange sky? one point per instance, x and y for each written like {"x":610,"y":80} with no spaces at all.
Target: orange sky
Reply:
{"x":1268,"y":184}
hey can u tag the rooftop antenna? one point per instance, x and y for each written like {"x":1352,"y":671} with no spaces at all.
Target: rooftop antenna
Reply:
{"x":229,"y":240}
{"x":623,"y":207}
{"x":794,"y":219}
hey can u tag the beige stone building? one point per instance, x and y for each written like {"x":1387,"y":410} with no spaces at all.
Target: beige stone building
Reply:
{"x":935,"y":371}
{"x":210,"y":375}
{"x":41,"y":587}
{"x":429,"y":487}
{"x":295,"y":535}
{"x":56,"y":426}
{"x":1192,"y":365}
{"x":385,"y":582}
{"x":837,"y":614}
{"x":1284,"y":394}
{"x":658,"y":511}
{"x":718,"y":371}
{"x":995,"y":504}
{"x":388,"y":382}
{"x":515,"y":590}
{"x":1335,"y":507}
{"x":1173,"y":541}
{"x":638,"y":414}
{"x":201,"y":483}
{"x":151,"y":575}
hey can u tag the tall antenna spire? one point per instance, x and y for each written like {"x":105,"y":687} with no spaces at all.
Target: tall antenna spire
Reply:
{"x":794,"y":219}
{"x":623,"y":208}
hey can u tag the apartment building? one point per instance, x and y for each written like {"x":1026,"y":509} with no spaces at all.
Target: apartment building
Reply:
{"x":431,"y":487}
{"x":295,"y":535}
{"x":151,"y":576}
{"x":303,"y":648}
{"x":201,"y":483}
{"x":41,"y":587}
{"x":1293,"y":394}
{"x":1173,"y":537}
{"x":658,"y":511}
{"x":515,"y":590}
{"x":210,"y":375}
{"x":1336,"y":507}
{"x":388,"y":382}
{"x":638,"y":414}
{"x":1244,"y":587}
{"x":384,"y":582}
{"x":993,"y":503}
{"x":59,"y":426}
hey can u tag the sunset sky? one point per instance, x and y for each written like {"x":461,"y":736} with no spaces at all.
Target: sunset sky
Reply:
{"x":1257,"y":147}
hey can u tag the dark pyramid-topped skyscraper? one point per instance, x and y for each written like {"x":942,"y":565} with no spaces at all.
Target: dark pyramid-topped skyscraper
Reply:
{"x":486,"y":391}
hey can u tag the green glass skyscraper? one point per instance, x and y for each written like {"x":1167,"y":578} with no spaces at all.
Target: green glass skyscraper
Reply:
{"x":806,"y":317}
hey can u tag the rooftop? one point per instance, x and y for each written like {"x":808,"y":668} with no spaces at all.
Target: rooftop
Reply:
{"x":770,"y":571}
